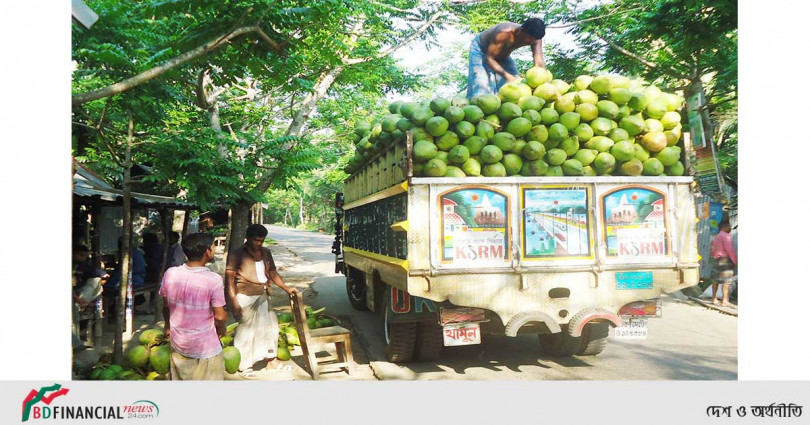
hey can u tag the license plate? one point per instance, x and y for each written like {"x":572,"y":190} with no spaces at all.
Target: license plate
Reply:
{"x":635,"y":328}
{"x":461,"y":334}
{"x":634,"y":280}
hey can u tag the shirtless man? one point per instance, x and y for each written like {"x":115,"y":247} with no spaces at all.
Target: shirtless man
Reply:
{"x":490,"y":64}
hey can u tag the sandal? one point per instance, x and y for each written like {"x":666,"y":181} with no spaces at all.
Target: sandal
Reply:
{"x":248,"y":373}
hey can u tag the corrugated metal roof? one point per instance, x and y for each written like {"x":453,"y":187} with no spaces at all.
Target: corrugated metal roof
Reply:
{"x":88,"y":184}
{"x":112,"y":195}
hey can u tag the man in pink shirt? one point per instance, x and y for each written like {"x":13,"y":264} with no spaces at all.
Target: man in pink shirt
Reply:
{"x":724,"y":261}
{"x":194,"y":308}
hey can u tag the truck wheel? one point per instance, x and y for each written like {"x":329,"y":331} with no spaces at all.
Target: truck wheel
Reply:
{"x":560,"y":344}
{"x":400,"y":338}
{"x":356,"y":289}
{"x":594,"y":339}
{"x":429,"y":342}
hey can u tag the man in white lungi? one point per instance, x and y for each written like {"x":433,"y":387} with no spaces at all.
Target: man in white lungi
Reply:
{"x":249,"y":272}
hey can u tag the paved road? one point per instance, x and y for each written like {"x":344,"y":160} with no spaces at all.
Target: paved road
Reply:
{"x":690,"y":341}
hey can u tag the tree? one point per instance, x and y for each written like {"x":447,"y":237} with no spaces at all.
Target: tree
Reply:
{"x":686,"y":45}
{"x":257,"y":71}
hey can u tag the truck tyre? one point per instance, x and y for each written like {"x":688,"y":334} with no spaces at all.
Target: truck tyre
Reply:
{"x":560,"y":344}
{"x":356,"y":289}
{"x":429,"y":342}
{"x":594,"y":339}
{"x":400,"y":338}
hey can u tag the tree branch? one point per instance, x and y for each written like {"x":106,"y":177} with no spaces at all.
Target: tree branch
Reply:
{"x":399,"y":45}
{"x":614,"y":12}
{"x":155,"y":72}
{"x":629,"y":54}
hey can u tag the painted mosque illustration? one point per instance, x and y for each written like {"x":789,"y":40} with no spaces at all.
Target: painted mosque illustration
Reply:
{"x":452,"y":220}
{"x":625,"y":213}
{"x":484,"y":215}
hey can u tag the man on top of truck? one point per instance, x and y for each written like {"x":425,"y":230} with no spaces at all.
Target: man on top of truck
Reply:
{"x":490,"y":64}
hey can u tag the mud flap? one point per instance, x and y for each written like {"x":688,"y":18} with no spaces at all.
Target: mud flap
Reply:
{"x":404,"y":307}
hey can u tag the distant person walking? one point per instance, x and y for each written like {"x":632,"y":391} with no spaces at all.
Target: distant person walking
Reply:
{"x":248,"y":275}
{"x":194,"y":309}
{"x":490,"y":64}
{"x":176,"y":256}
{"x":724,"y":262}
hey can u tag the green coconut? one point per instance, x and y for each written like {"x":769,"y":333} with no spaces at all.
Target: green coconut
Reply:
{"x":533,"y":150}
{"x":471,"y":167}
{"x":512,"y":163}
{"x":474,"y":144}
{"x":583,"y":131}
{"x":491,"y":154}
{"x":549,"y":116}
{"x":587,"y":111}
{"x":601,"y":84}
{"x":599,"y":143}
{"x":572,"y":167}
{"x":586,"y":156}
{"x":494,"y":170}
{"x":439,"y":105}
{"x":538,"y":132}
{"x":519,"y":126}
{"x":536,"y":167}
{"x":137,"y":356}
{"x":151,"y":337}
{"x":435,"y":168}
{"x":160,"y":357}
{"x":582,"y":82}
{"x":557,"y":132}
{"x":652,"y":167}
{"x":530,"y":103}
{"x":654,"y":141}
{"x":537,"y":75}
{"x":232,"y":359}
{"x":533,"y":116}
{"x":458,"y":155}
{"x":473,"y":113}
{"x":489,"y":103}
{"x":454,"y":114}
{"x":547,"y":91}
{"x":556,"y":156}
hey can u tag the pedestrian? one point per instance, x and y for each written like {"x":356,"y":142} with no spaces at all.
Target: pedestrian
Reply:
{"x":153,"y":254}
{"x":194,"y":312}
{"x":137,"y":268}
{"x":88,"y":282}
{"x":176,"y":256}
{"x":490,"y":64}
{"x":724,"y":262}
{"x":248,"y":274}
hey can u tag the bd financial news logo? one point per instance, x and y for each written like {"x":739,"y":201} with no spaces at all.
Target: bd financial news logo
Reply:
{"x":37,"y":405}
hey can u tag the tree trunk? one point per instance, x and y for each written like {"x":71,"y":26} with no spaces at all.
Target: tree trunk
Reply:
{"x":311,"y":101}
{"x":239,"y":222}
{"x":186,"y":219}
{"x":301,"y":211}
{"x":167,"y":218}
{"x":126,"y":248}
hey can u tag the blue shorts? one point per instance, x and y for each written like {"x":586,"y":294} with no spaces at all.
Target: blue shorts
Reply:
{"x":481,"y":79}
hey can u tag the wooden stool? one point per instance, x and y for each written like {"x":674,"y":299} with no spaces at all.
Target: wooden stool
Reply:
{"x":338,"y":335}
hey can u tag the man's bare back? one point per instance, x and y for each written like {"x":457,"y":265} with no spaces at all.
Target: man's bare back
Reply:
{"x":499,"y":40}
{"x":490,"y":63}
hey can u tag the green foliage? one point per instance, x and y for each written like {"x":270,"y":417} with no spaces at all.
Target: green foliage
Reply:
{"x":259,"y":89}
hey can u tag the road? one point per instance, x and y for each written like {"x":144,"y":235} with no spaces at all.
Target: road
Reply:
{"x":689,"y":341}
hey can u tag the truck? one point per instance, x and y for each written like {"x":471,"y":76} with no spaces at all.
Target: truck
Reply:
{"x":447,"y":261}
